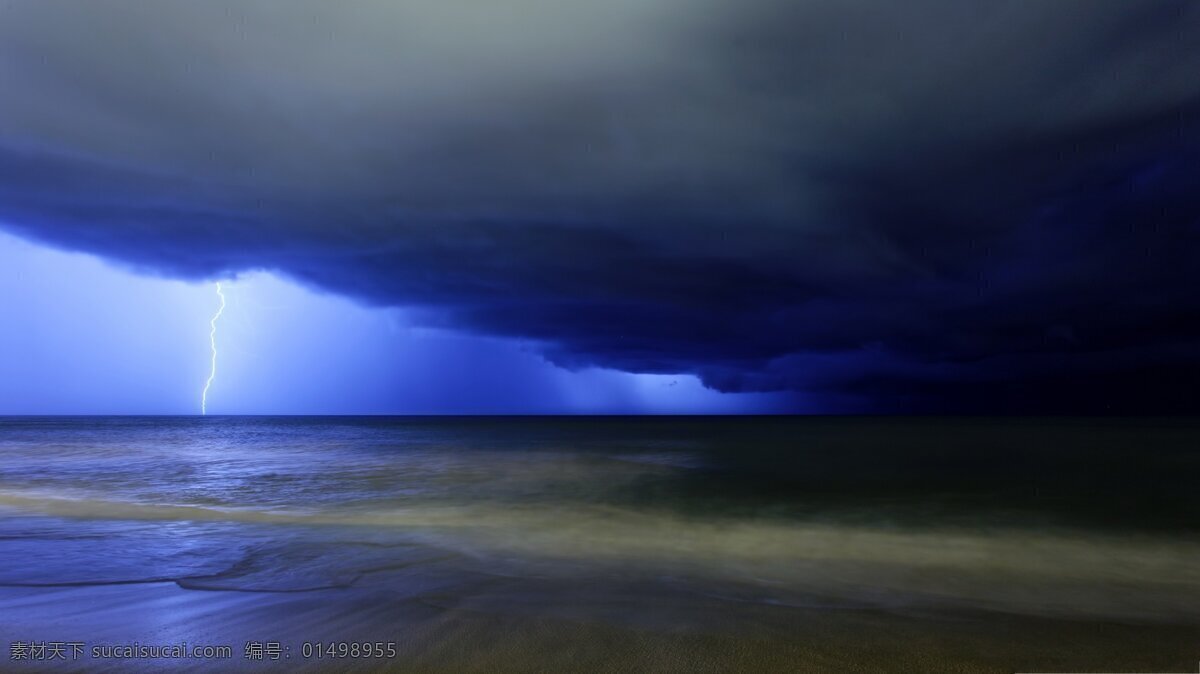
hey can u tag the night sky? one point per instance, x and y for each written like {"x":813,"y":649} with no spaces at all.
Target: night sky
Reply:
{"x":541,"y":206}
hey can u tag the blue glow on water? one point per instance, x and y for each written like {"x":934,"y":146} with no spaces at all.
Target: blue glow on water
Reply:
{"x":1013,"y":515}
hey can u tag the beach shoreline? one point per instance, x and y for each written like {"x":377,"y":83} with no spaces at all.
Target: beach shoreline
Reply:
{"x":600,"y":545}
{"x":437,"y":632}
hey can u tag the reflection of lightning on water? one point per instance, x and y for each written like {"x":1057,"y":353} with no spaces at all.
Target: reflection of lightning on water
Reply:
{"x":212,"y":340}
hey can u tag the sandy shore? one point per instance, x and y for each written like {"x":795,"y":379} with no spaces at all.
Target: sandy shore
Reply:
{"x":435,"y":631}
{"x":603,"y":545}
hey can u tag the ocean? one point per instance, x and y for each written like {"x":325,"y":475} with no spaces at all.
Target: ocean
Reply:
{"x":781,"y":534}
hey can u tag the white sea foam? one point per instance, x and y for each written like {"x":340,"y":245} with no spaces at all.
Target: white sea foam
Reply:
{"x":1017,"y":570}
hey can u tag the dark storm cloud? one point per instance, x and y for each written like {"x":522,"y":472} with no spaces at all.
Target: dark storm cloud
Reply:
{"x":925,"y":206}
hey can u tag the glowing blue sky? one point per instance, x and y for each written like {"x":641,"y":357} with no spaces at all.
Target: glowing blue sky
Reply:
{"x":84,"y":337}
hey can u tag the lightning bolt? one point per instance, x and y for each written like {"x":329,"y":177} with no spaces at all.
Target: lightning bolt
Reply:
{"x":212,"y":340}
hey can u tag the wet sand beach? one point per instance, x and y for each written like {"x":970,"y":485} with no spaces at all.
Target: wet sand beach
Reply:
{"x":432,"y":634}
{"x":602,"y":545}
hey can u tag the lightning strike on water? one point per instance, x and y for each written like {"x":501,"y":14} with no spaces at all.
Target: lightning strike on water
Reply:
{"x":212,"y":340}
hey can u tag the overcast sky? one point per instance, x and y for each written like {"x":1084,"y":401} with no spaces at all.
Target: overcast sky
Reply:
{"x":828,"y":205}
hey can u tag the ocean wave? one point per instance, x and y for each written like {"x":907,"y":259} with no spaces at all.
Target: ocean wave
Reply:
{"x":787,"y":563}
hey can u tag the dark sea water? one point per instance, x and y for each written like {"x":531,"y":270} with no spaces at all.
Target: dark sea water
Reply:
{"x":1070,"y":518}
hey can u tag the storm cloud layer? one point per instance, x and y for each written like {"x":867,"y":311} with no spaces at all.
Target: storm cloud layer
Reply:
{"x":892,"y":207}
